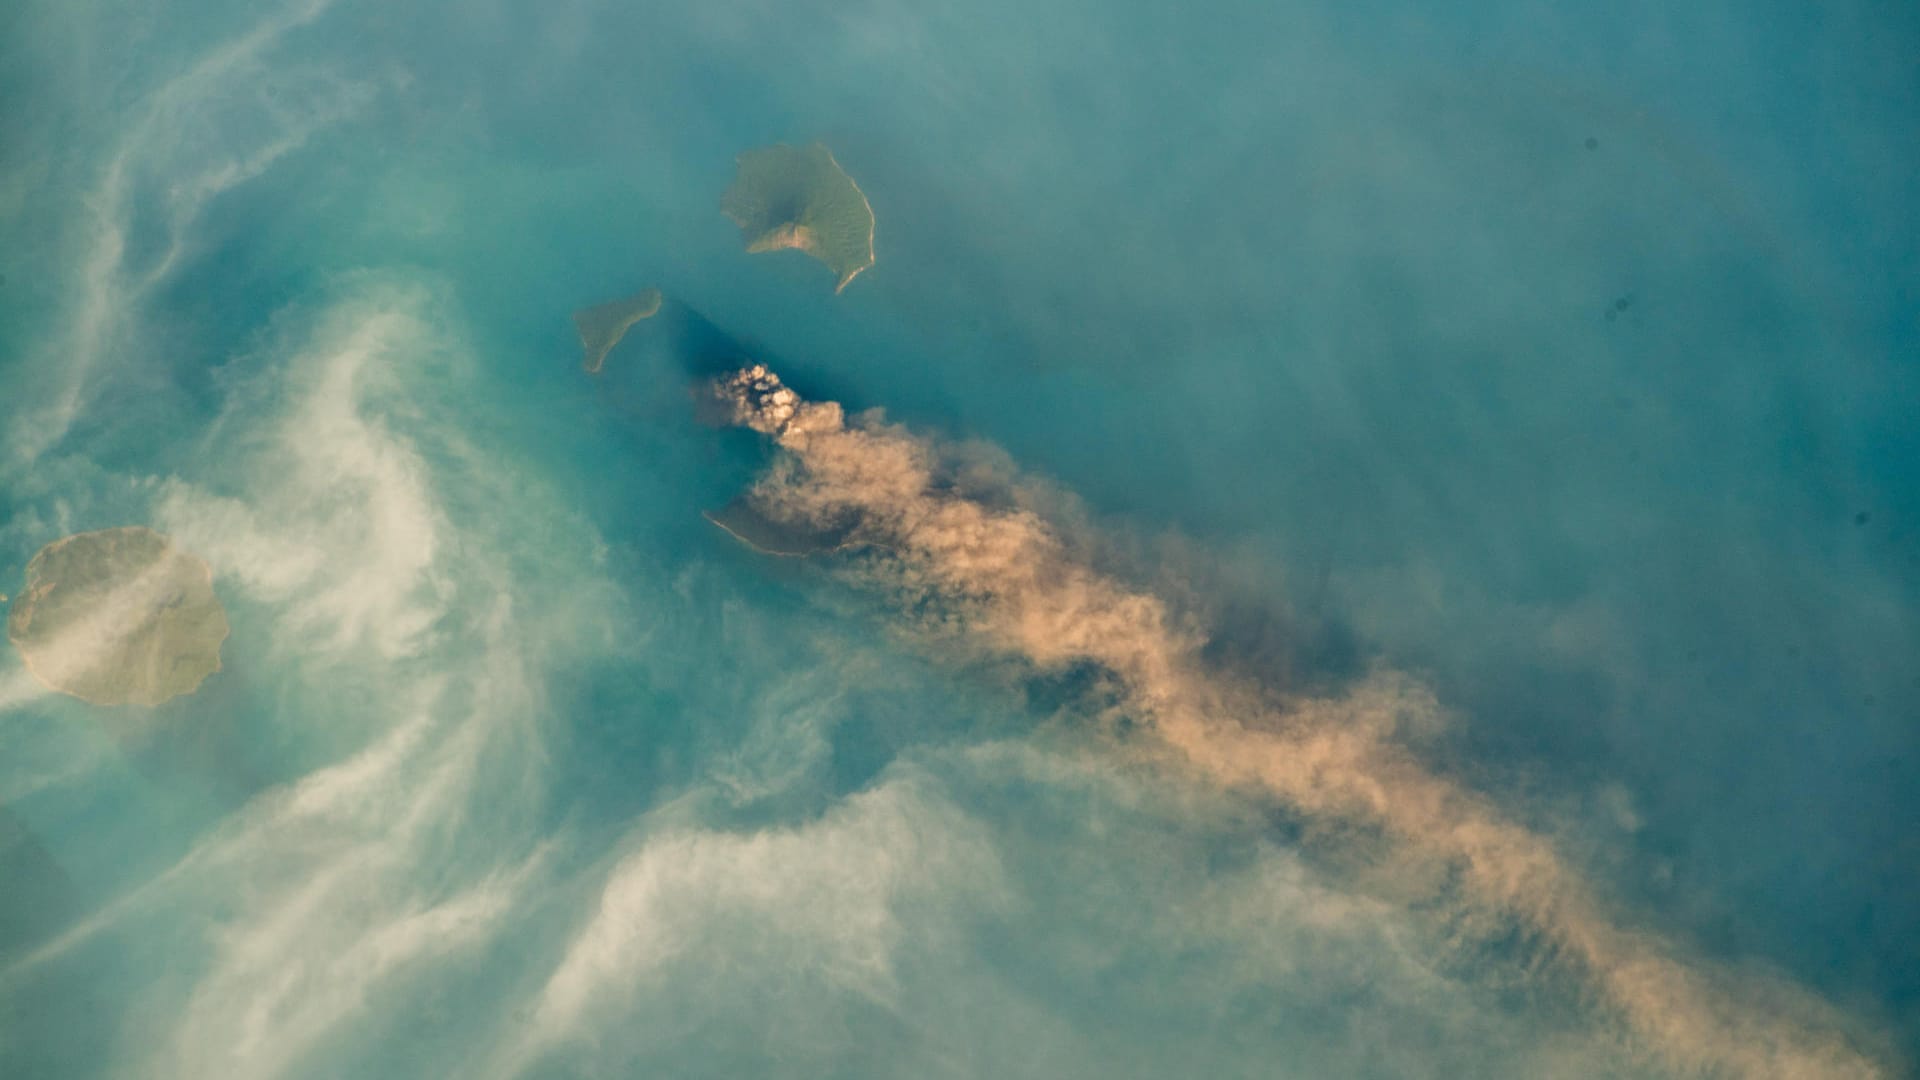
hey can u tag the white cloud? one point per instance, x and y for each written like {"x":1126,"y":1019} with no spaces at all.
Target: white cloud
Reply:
{"x":343,"y":529}
{"x":822,"y":908}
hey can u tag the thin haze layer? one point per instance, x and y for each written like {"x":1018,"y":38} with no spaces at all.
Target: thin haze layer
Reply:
{"x":1005,"y":576}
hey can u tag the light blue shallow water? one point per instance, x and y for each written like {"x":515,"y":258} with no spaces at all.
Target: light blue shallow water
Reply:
{"x":1561,"y":360}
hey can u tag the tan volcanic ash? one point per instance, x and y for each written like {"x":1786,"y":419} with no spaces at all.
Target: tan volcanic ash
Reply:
{"x":1016,"y":585}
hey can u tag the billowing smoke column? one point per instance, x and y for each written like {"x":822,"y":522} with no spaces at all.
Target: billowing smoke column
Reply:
{"x":1003,"y":576}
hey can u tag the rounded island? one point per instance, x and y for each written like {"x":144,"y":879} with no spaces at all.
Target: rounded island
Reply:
{"x":118,"y":617}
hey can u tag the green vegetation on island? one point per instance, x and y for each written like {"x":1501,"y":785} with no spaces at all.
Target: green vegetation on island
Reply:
{"x":602,"y":326}
{"x":785,"y":197}
{"x":118,"y":617}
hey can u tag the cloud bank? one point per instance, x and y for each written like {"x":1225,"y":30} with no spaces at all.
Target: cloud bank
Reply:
{"x":699,"y":922}
{"x":392,"y":648}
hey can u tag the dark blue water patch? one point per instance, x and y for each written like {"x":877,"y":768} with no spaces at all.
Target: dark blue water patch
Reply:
{"x":1283,"y":651}
{"x":112,"y":831}
{"x":664,"y":361}
{"x":140,"y":415}
{"x":39,"y":898}
{"x":876,"y":732}
{"x":624,"y":739}
{"x":66,"y":1020}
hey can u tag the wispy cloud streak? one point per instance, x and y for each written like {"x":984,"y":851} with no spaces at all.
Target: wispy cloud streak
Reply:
{"x":1004,"y":576}
{"x":822,"y":909}
{"x":410,"y":660}
{"x":186,"y":147}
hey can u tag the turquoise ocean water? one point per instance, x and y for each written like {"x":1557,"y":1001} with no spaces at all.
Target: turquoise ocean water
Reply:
{"x":1561,"y":361}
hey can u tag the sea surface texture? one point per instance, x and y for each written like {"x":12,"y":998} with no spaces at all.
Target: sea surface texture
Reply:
{"x":1238,"y":539}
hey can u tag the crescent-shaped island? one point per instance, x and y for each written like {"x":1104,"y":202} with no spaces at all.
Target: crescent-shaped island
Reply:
{"x":602,"y":326}
{"x":800,"y":199}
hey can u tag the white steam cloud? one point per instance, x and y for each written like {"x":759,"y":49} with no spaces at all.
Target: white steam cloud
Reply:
{"x":1003,"y":576}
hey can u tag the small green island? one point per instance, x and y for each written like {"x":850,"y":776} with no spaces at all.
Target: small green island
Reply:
{"x":787,"y":198}
{"x":602,"y":326}
{"x":118,"y":617}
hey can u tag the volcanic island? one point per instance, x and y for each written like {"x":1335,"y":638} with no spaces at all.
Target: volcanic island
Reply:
{"x":602,"y":326}
{"x":118,"y":617}
{"x":785,"y":197}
